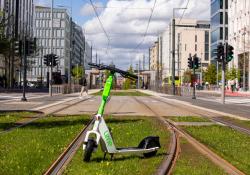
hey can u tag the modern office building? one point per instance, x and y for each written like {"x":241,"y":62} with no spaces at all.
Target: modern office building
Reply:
{"x":192,"y":37}
{"x":239,"y":38}
{"x":18,"y":15}
{"x":61,"y":41}
{"x":217,"y":17}
{"x":81,"y":50}
{"x":18,"y":19}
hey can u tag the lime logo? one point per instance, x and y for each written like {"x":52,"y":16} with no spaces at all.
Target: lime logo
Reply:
{"x":108,"y":138}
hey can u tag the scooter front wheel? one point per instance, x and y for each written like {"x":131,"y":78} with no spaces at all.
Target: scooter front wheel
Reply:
{"x":88,"y":150}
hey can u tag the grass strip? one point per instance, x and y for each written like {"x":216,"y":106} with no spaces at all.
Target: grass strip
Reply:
{"x":32,"y":149}
{"x":241,"y":123}
{"x":192,"y":162}
{"x":230,"y":144}
{"x":122,"y":93}
{"x":127,"y":132}
{"x":8,"y":119}
{"x":188,"y":119}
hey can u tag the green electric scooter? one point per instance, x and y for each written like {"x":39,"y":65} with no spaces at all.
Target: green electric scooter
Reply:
{"x":100,"y":133}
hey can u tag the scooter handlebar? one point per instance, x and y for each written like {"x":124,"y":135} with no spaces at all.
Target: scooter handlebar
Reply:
{"x":123,"y":73}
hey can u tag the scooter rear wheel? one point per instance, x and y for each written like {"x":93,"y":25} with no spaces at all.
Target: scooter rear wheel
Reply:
{"x":88,"y":150}
{"x":151,"y":144}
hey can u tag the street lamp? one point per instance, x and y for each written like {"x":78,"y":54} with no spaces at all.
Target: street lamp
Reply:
{"x":244,"y":61}
{"x":173,"y":49}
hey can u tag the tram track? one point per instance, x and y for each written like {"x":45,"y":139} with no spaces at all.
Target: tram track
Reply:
{"x":42,"y":115}
{"x":58,"y":165}
{"x":211,"y":117}
{"x":168,"y":163}
{"x":229,"y":168}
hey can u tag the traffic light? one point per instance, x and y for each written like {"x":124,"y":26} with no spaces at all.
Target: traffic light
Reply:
{"x":31,"y":47}
{"x":196,"y":61}
{"x":229,"y":53}
{"x":54,"y":60}
{"x":18,"y":48}
{"x":190,"y":62}
{"x":220,"y":52}
{"x":51,"y":60}
{"x":46,"y":60}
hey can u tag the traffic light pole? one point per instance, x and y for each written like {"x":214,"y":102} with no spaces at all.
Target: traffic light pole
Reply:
{"x":52,"y":33}
{"x":173,"y":55}
{"x":223,"y":59}
{"x":24,"y":70}
{"x":194,"y":97}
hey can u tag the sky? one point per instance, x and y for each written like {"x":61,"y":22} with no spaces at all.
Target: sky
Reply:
{"x":123,"y":33}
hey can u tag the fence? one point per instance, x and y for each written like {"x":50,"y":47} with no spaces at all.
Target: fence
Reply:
{"x":65,"y":89}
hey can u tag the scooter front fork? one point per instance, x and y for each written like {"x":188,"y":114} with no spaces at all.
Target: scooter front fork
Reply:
{"x":97,"y":138}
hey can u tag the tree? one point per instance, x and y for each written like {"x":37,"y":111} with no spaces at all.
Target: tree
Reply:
{"x":128,"y":84}
{"x":210,"y":74}
{"x":187,"y":76}
{"x":232,"y":74}
{"x":77,"y":72}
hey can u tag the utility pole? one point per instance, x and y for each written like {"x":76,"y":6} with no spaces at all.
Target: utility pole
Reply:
{"x":201,"y":78}
{"x":143,"y":64}
{"x":173,"y":49}
{"x":194,"y":76}
{"x":51,"y":69}
{"x":149,"y":59}
{"x":158,"y":65}
{"x":71,"y":52}
{"x":24,"y":69}
{"x":223,"y":59}
{"x":217,"y":71}
{"x":138,"y":80}
{"x":161,"y":59}
{"x":41,"y":63}
{"x":96,"y":58}
{"x":244,"y":63}
{"x":173,"y":54}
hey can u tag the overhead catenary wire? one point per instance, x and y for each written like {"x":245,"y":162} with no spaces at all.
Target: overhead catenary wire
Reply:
{"x":184,"y":12}
{"x":146,"y":32}
{"x":101,"y":24}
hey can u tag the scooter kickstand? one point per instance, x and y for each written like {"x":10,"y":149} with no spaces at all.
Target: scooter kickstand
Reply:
{"x":112,"y":156}
{"x":104,"y":157}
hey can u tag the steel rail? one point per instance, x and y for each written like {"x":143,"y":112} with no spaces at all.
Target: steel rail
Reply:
{"x":58,"y":165}
{"x":228,"y":167}
{"x":42,"y":115}
{"x":168,"y":163}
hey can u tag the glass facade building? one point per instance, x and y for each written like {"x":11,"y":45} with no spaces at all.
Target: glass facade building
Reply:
{"x":217,"y":24}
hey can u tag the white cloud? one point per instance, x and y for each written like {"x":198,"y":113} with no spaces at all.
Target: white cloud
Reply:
{"x":126,"y":21}
{"x":87,"y":9}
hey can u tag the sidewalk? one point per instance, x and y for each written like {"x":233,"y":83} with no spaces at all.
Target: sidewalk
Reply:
{"x":227,"y":93}
{"x":232,"y":110}
{"x":39,"y":103}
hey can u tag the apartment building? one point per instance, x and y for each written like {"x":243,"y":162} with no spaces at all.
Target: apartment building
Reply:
{"x":239,"y":38}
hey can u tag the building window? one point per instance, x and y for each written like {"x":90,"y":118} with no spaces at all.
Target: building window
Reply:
{"x":62,"y":42}
{"x":58,"y":33}
{"x":206,"y":56}
{"x":185,"y":47}
{"x":206,"y":36}
{"x":62,"y":24}
{"x":195,"y":47}
{"x":195,"y":38}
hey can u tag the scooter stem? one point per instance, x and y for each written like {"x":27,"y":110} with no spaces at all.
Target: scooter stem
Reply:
{"x":105,"y":94}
